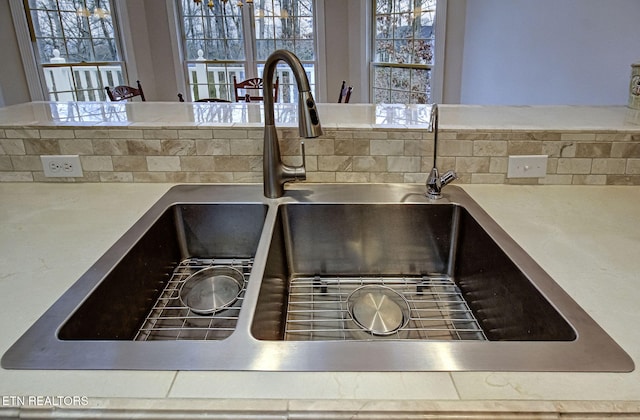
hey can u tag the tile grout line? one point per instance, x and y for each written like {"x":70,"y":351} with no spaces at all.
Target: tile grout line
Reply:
{"x":173,"y":381}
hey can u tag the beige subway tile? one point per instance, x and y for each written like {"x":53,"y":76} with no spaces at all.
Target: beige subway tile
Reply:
{"x":76,"y":147}
{"x":96,"y":163}
{"x":247,"y":177}
{"x":474,"y":135}
{"x":524,"y":148}
{"x":344,"y":147}
{"x":522,"y":181}
{"x":589,"y":180}
{"x":116,"y":177}
{"x":220,"y":133}
{"x":12,"y":147}
{"x":129,"y":163}
{"x":369,"y":163}
{"x":371,"y":134}
{"x":26,"y":163}
{"x":552,"y":165}
{"x":415,"y":177}
{"x":498,"y":164}
{"x":110,"y":146}
{"x":163,"y":163}
{"x":251,"y":147}
{"x":555,"y":179}
{"x":633,"y":167}
{"x":353,"y":177}
{"x":403,"y":164}
{"x":150,"y":177}
{"x":5,"y":163}
{"x":159,"y":134}
{"x":625,"y":150}
{"x":201,"y":134}
{"x":386,"y":177}
{"x":418,"y":148}
{"x":16,"y":177}
{"x":593,"y":150}
{"x":321,"y":176}
{"x":574,"y":166}
{"x":405,"y":135}
{"x":623,"y":179}
{"x":612,"y":137}
{"x":232,"y":163}
{"x":41,"y":147}
{"x":215,"y":147}
{"x":489,"y":148}
{"x":22,"y":133}
{"x":178,"y":147}
{"x":125,"y":133}
{"x":319,"y":147}
{"x":488,"y":178}
{"x":578,"y":137}
{"x":472,"y":164}
{"x":455,"y":148}
{"x":387,"y":147}
{"x":335,"y":163}
{"x":57,"y":133}
{"x":144,"y":147}
{"x":216,"y":177}
{"x":196,"y":163}
{"x":608,"y":166}
{"x":91,"y":133}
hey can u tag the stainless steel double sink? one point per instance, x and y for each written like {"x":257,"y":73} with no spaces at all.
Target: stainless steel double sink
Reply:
{"x":474,"y":299}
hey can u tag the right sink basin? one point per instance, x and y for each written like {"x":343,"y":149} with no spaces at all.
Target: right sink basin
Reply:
{"x":430,"y":272}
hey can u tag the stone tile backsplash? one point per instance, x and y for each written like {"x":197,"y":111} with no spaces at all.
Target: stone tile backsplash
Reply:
{"x":230,"y":154}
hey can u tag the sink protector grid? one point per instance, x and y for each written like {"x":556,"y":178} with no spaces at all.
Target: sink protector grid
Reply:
{"x":318,"y":309}
{"x":169,"y":319}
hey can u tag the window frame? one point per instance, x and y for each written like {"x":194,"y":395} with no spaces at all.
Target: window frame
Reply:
{"x":34,"y":68}
{"x":252,"y":64}
{"x":437,"y":68}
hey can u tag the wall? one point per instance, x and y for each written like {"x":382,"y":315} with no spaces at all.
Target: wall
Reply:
{"x":549,"y":52}
{"x":13,"y":84}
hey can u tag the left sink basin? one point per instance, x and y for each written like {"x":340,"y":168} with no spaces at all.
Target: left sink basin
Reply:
{"x":125,"y":311}
{"x":139,"y":298}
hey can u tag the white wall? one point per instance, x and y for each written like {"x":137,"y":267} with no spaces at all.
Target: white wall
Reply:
{"x":549,"y":52}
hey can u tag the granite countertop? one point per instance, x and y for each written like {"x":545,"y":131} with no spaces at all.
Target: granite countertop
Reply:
{"x":586,"y":238}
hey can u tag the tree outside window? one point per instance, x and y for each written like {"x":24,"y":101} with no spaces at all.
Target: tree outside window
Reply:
{"x":223,"y":39}
{"x":403,"y":47}
{"x":76,"y":46}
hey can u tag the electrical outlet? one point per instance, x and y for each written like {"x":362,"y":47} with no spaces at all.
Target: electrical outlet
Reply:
{"x":527,"y":166}
{"x":61,"y":166}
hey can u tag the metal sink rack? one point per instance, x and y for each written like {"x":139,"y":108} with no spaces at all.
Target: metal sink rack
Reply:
{"x":317,"y":309}
{"x":169,"y":319}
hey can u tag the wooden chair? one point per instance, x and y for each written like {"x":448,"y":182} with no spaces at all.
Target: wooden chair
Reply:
{"x":123,"y":92}
{"x":345,"y":93}
{"x":255,"y":84}
{"x":181,"y":99}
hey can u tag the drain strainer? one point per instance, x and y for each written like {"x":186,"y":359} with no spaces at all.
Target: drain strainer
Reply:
{"x":378,"y":310}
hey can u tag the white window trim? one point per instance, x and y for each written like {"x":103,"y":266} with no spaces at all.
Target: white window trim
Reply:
{"x":32,"y":69}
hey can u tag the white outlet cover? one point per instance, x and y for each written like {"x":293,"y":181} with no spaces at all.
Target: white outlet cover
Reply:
{"x":527,"y":166}
{"x":62,"y":166}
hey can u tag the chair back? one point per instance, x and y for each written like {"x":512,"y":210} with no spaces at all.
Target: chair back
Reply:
{"x":255,"y":85}
{"x":123,"y":92}
{"x":345,"y":93}
{"x":181,"y":99}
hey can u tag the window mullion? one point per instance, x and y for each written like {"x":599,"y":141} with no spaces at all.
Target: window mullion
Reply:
{"x":249,"y":37}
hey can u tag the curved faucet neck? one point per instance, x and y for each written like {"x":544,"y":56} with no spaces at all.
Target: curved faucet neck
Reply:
{"x":267,"y":76}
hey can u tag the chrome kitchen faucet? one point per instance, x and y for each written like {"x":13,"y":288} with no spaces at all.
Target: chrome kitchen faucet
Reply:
{"x":275,"y":172}
{"x":435,"y":182}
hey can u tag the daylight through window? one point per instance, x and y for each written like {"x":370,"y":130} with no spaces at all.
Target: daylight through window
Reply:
{"x":403,"y":47}
{"x":223,"y":39}
{"x":76,"y":47}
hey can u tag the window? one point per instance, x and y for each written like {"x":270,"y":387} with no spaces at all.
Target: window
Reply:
{"x":223,"y":39}
{"x":403,"y":48}
{"x":75,"y":41}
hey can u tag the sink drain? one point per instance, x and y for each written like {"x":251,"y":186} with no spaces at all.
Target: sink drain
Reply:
{"x":378,"y":310}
